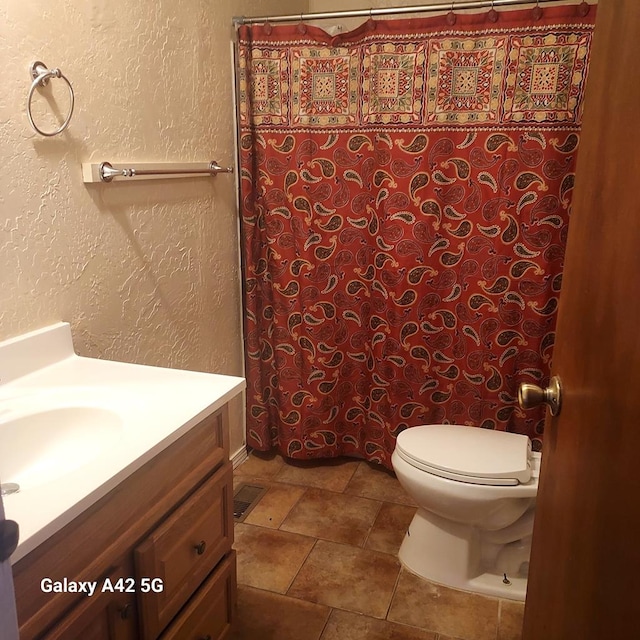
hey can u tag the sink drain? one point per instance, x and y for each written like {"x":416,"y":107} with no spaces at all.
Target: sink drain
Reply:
{"x":8,"y":488}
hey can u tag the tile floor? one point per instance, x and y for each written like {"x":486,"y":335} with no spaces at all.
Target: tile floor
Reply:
{"x":317,"y":560}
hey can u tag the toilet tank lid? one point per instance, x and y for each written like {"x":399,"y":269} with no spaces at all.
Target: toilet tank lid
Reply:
{"x":468,"y":451}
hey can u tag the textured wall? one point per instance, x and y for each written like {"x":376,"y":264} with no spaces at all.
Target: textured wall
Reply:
{"x":144,"y":272}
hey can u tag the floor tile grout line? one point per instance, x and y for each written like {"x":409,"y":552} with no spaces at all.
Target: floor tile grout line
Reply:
{"x":342,"y":544}
{"x":316,"y":539}
{"x":338,"y":493}
{"x":285,"y":595}
{"x":326,"y":622}
{"x":335,"y":608}
{"x":291,"y":508}
{"x":373,"y":524}
{"x":393,"y":593}
{"x":360,"y":462}
{"x":313,"y":546}
{"x":355,"y":469}
{"x":357,"y":545}
{"x":332,"y":609}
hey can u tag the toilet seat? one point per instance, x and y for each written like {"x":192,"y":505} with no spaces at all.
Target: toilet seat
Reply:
{"x":467,"y":454}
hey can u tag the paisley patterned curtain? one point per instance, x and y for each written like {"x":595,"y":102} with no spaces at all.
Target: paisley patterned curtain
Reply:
{"x":405,"y":198}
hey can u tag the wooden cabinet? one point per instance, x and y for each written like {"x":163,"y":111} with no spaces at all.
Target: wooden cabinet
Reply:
{"x":209,"y":613}
{"x":185,"y":549}
{"x":158,"y":548}
{"x":107,"y":615}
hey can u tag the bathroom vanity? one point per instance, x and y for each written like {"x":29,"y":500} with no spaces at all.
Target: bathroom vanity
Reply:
{"x":137,"y":541}
{"x":157,"y":548}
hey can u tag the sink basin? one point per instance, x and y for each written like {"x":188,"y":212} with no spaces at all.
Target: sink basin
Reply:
{"x":39,"y":447}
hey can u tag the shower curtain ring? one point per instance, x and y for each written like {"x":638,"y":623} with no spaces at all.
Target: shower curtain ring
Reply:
{"x":492,"y":16}
{"x":370,"y":20}
{"x":302,"y":27}
{"x":451,"y":16}
{"x":537,"y":11}
{"x":371,"y":23}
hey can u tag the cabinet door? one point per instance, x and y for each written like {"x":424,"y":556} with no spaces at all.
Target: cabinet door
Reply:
{"x":184,"y":549}
{"x":209,"y":613}
{"x":103,"y":616}
{"x":106,"y":618}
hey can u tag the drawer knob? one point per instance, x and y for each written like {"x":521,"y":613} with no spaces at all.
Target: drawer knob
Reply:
{"x":200,"y":547}
{"x":207,"y":637}
{"x":125,"y":611}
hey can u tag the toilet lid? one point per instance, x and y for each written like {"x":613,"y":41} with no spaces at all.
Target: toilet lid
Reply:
{"x":467,"y":454}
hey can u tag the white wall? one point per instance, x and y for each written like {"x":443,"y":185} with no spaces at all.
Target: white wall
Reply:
{"x":144,"y":272}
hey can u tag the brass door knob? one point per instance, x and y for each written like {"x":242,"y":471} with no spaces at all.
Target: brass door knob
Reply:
{"x":531,"y":395}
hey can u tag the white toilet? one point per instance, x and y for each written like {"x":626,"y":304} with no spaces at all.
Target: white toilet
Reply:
{"x":475,"y":489}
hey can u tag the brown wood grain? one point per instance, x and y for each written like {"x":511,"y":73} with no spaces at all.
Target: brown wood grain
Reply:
{"x":169,"y":552}
{"x":211,"y":611}
{"x":585,"y":560}
{"x":100,"y":616}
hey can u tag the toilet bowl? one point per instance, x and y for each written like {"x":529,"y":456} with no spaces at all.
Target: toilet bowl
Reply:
{"x":475,"y":489}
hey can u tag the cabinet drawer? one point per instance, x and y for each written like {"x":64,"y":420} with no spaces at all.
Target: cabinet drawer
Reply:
{"x":184,"y":549}
{"x":210,"y":612}
{"x":107,"y":615}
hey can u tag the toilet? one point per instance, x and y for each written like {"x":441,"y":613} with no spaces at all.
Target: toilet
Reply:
{"x":476,"y":491}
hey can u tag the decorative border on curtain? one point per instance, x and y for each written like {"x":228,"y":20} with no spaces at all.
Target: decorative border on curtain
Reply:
{"x":414,"y":73}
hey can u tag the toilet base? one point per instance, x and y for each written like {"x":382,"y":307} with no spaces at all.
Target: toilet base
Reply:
{"x":453,"y":555}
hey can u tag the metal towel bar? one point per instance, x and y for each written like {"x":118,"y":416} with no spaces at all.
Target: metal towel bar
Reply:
{"x":106,"y":172}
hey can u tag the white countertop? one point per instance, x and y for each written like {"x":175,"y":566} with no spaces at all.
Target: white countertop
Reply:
{"x":154,"y":406}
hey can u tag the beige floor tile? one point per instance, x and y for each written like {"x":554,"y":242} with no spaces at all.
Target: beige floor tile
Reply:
{"x":263,"y":615}
{"x":344,"y":625}
{"x":330,"y":474}
{"x":390,"y":527}
{"x":332,"y":516}
{"x":423,"y":604}
{"x":376,"y":482}
{"x":269,"y":559}
{"x":275,"y":505}
{"x":510,"y":620}
{"x":260,"y":465}
{"x":347,"y":578}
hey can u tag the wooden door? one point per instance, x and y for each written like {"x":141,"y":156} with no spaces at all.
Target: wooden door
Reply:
{"x":584,"y":580}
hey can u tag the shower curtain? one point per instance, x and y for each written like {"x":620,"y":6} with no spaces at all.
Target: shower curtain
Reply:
{"x":405,"y":196}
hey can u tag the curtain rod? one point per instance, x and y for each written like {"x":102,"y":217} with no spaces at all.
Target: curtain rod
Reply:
{"x":456,"y":5}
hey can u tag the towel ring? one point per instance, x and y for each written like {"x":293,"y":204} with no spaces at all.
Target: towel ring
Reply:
{"x":41,"y":75}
